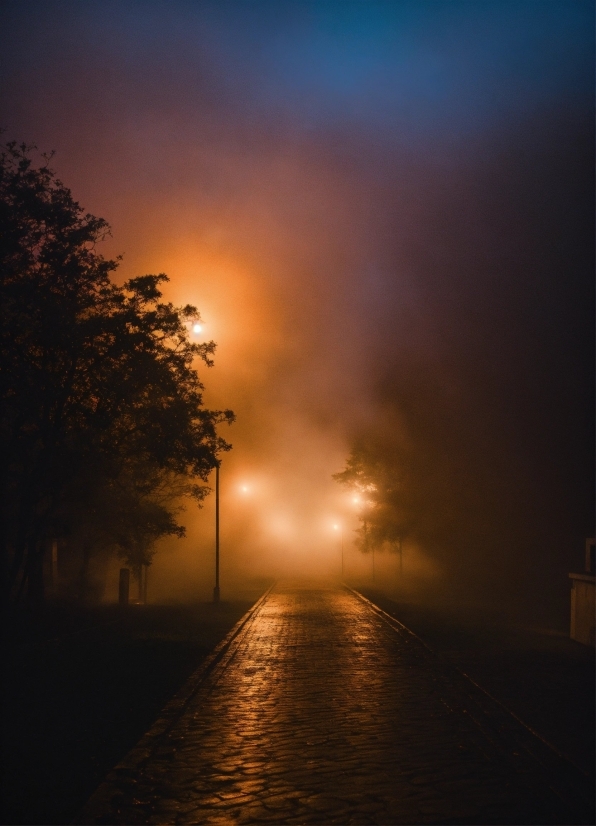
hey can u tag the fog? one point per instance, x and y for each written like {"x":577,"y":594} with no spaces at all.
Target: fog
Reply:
{"x":384,"y":214}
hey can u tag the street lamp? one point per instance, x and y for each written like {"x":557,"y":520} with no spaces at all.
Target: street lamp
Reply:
{"x":194,"y":325}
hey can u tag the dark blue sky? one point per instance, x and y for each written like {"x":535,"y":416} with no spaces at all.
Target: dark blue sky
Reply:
{"x":404,"y":71}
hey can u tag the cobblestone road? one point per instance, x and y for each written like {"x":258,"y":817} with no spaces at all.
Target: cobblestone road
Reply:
{"x":319,"y":711}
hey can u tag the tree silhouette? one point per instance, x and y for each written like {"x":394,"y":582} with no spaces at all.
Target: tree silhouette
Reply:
{"x":377,"y":473}
{"x":101,"y":401}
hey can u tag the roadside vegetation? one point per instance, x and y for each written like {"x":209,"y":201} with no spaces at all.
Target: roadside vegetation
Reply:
{"x":104,"y":431}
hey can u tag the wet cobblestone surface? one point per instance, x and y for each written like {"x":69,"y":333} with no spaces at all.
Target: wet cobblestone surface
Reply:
{"x":320,"y":711}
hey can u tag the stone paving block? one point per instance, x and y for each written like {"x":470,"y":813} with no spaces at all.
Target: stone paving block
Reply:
{"x":320,"y":711}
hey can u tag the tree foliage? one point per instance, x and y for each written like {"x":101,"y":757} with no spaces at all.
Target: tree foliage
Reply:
{"x":429,"y":474}
{"x":102,"y":420}
{"x":378,"y":478}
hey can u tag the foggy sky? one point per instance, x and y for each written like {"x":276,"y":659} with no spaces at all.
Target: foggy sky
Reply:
{"x":384,"y":213}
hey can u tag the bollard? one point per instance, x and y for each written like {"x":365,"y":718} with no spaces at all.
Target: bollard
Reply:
{"x":54,"y":562}
{"x":124,"y":586}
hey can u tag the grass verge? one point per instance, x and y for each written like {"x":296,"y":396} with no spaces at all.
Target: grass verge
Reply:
{"x":542,"y":676}
{"x":82,"y":686}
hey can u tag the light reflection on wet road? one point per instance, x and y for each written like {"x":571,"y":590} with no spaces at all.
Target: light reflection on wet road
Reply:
{"x":320,"y":712}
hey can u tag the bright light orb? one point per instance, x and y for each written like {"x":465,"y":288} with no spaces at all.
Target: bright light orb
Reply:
{"x":196,"y":328}
{"x":336,"y":527}
{"x":244,"y":488}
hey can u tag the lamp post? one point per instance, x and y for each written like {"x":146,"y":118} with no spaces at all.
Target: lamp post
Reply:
{"x":340,"y":528}
{"x":216,"y":589}
{"x":366,"y":544}
{"x":373,"y":563}
{"x":372,"y":547}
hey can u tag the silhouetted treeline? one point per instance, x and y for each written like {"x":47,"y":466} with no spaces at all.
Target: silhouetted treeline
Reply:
{"x":103,"y":426}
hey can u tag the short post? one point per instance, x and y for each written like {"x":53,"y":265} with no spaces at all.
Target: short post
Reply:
{"x":216,"y":589}
{"x":124,"y":586}
{"x":54,"y":562}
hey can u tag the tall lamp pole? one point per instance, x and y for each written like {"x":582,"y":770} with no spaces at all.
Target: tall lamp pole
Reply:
{"x":366,"y":503}
{"x":216,"y":589}
{"x":340,"y":528}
